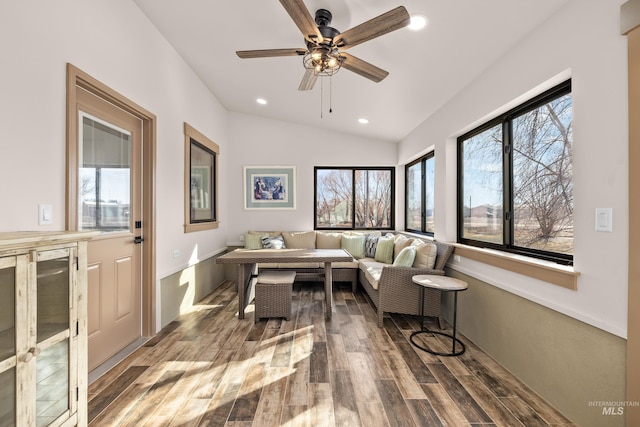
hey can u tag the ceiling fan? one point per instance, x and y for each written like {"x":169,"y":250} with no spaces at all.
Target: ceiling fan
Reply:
{"x":324,"y":53}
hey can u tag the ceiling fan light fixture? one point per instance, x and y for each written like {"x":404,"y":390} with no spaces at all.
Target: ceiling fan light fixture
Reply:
{"x":418,"y":22}
{"x":322,"y":60}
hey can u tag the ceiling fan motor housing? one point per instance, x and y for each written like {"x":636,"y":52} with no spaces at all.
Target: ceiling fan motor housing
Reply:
{"x":323,"y":19}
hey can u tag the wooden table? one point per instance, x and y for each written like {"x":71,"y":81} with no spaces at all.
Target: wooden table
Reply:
{"x":442,"y":283}
{"x":247,"y":260}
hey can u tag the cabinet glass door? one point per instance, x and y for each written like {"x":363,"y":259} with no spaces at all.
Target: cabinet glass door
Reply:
{"x":7,"y":341}
{"x":53,"y":335}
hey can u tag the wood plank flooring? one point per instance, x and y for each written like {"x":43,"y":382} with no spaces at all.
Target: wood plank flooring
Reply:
{"x":208,"y":368}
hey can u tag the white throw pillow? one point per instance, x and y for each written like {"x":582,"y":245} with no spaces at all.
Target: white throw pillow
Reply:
{"x":425,"y":254}
{"x":405,"y":257}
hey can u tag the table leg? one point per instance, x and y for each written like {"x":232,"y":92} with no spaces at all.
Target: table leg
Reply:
{"x":328,"y":283}
{"x":241,"y":288}
{"x":245,"y":275}
{"x":455,"y":315}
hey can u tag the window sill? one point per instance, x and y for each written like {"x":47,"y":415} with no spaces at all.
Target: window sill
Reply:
{"x":560,"y":275}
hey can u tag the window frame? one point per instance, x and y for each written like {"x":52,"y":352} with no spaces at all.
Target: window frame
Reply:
{"x":193,"y":137}
{"x":354,"y":169}
{"x":423,"y":184}
{"x":506,"y":120}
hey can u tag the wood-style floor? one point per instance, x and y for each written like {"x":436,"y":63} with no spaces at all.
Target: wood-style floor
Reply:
{"x":209,"y":368}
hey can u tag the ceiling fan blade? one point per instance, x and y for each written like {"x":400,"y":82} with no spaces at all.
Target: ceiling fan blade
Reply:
{"x":267,"y":53}
{"x":363,"y":68}
{"x":303,"y":19}
{"x":387,"y":22}
{"x":308,"y":80}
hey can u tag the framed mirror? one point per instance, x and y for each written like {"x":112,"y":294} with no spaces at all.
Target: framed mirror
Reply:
{"x":201,"y":181}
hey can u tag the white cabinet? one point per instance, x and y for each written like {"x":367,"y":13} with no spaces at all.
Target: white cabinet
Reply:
{"x":43,"y":329}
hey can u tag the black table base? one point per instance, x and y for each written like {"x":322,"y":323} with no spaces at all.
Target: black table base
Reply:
{"x":424,"y":330}
{"x":437,"y":353}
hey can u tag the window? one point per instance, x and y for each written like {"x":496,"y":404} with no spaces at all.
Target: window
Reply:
{"x":201,"y":192}
{"x":515,"y":190}
{"x":354,"y":198}
{"x":419,"y":208}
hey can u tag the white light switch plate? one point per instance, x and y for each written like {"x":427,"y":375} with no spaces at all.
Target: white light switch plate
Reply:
{"x":604,"y":219}
{"x":45,"y":214}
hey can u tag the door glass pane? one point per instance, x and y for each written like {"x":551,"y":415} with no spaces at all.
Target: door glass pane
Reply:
{"x":482,"y":186}
{"x":104,"y":177}
{"x":52,"y":383}
{"x":53,"y":297}
{"x":8,"y":397}
{"x":7,"y":313}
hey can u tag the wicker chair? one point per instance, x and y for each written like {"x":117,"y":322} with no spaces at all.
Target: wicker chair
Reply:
{"x":396,"y":292}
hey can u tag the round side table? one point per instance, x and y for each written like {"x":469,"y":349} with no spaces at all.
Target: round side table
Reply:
{"x":445,"y":284}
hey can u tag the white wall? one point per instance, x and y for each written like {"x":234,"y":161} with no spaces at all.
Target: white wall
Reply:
{"x":581,"y":41}
{"x":114,"y":42}
{"x":257,"y":141}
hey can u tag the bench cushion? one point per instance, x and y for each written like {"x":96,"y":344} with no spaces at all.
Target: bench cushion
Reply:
{"x":328,"y":240}
{"x":276,"y":277}
{"x":372,"y":271}
{"x":300,"y":240}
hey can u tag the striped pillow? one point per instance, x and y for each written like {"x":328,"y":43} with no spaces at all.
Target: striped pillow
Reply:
{"x":370,"y":244}
{"x":273,"y":242}
{"x":384,"y":250}
{"x":354,"y":244}
{"x":252,"y":241}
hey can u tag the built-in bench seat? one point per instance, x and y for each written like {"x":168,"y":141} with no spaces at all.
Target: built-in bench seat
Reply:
{"x":380,"y":265}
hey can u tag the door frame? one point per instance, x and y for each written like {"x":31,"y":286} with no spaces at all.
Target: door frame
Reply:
{"x":630,"y":26}
{"x":78,"y":78}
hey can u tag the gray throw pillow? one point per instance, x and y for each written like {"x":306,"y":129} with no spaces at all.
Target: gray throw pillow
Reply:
{"x":370,"y":244}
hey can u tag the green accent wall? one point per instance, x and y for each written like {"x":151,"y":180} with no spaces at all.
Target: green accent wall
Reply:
{"x":180,"y":291}
{"x":572,"y":365}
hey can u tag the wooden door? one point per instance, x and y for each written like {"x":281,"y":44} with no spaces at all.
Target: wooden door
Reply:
{"x":109,"y":199}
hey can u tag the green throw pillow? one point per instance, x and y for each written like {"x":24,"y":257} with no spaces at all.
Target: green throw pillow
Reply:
{"x":252,"y":241}
{"x":354,"y":244}
{"x":405,"y":257}
{"x":384,"y":250}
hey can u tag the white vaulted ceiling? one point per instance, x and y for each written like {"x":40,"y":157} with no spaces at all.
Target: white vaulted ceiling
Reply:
{"x":426,"y":68}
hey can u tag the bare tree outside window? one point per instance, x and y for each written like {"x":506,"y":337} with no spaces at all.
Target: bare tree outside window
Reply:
{"x":516,"y":179}
{"x":413,"y":180}
{"x":542,"y":172}
{"x":420,"y":195}
{"x":483,"y":187}
{"x":354,"y":198}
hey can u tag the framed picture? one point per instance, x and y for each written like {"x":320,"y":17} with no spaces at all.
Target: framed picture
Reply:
{"x":269,"y":187}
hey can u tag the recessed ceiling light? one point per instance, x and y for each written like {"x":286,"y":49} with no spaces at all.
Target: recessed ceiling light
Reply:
{"x":418,"y":22}
{"x":261,"y":101}
{"x":363,"y":121}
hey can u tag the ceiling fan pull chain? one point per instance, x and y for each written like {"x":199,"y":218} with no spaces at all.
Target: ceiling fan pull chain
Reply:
{"x":330,"y":94}
{"x":321,"y":96}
